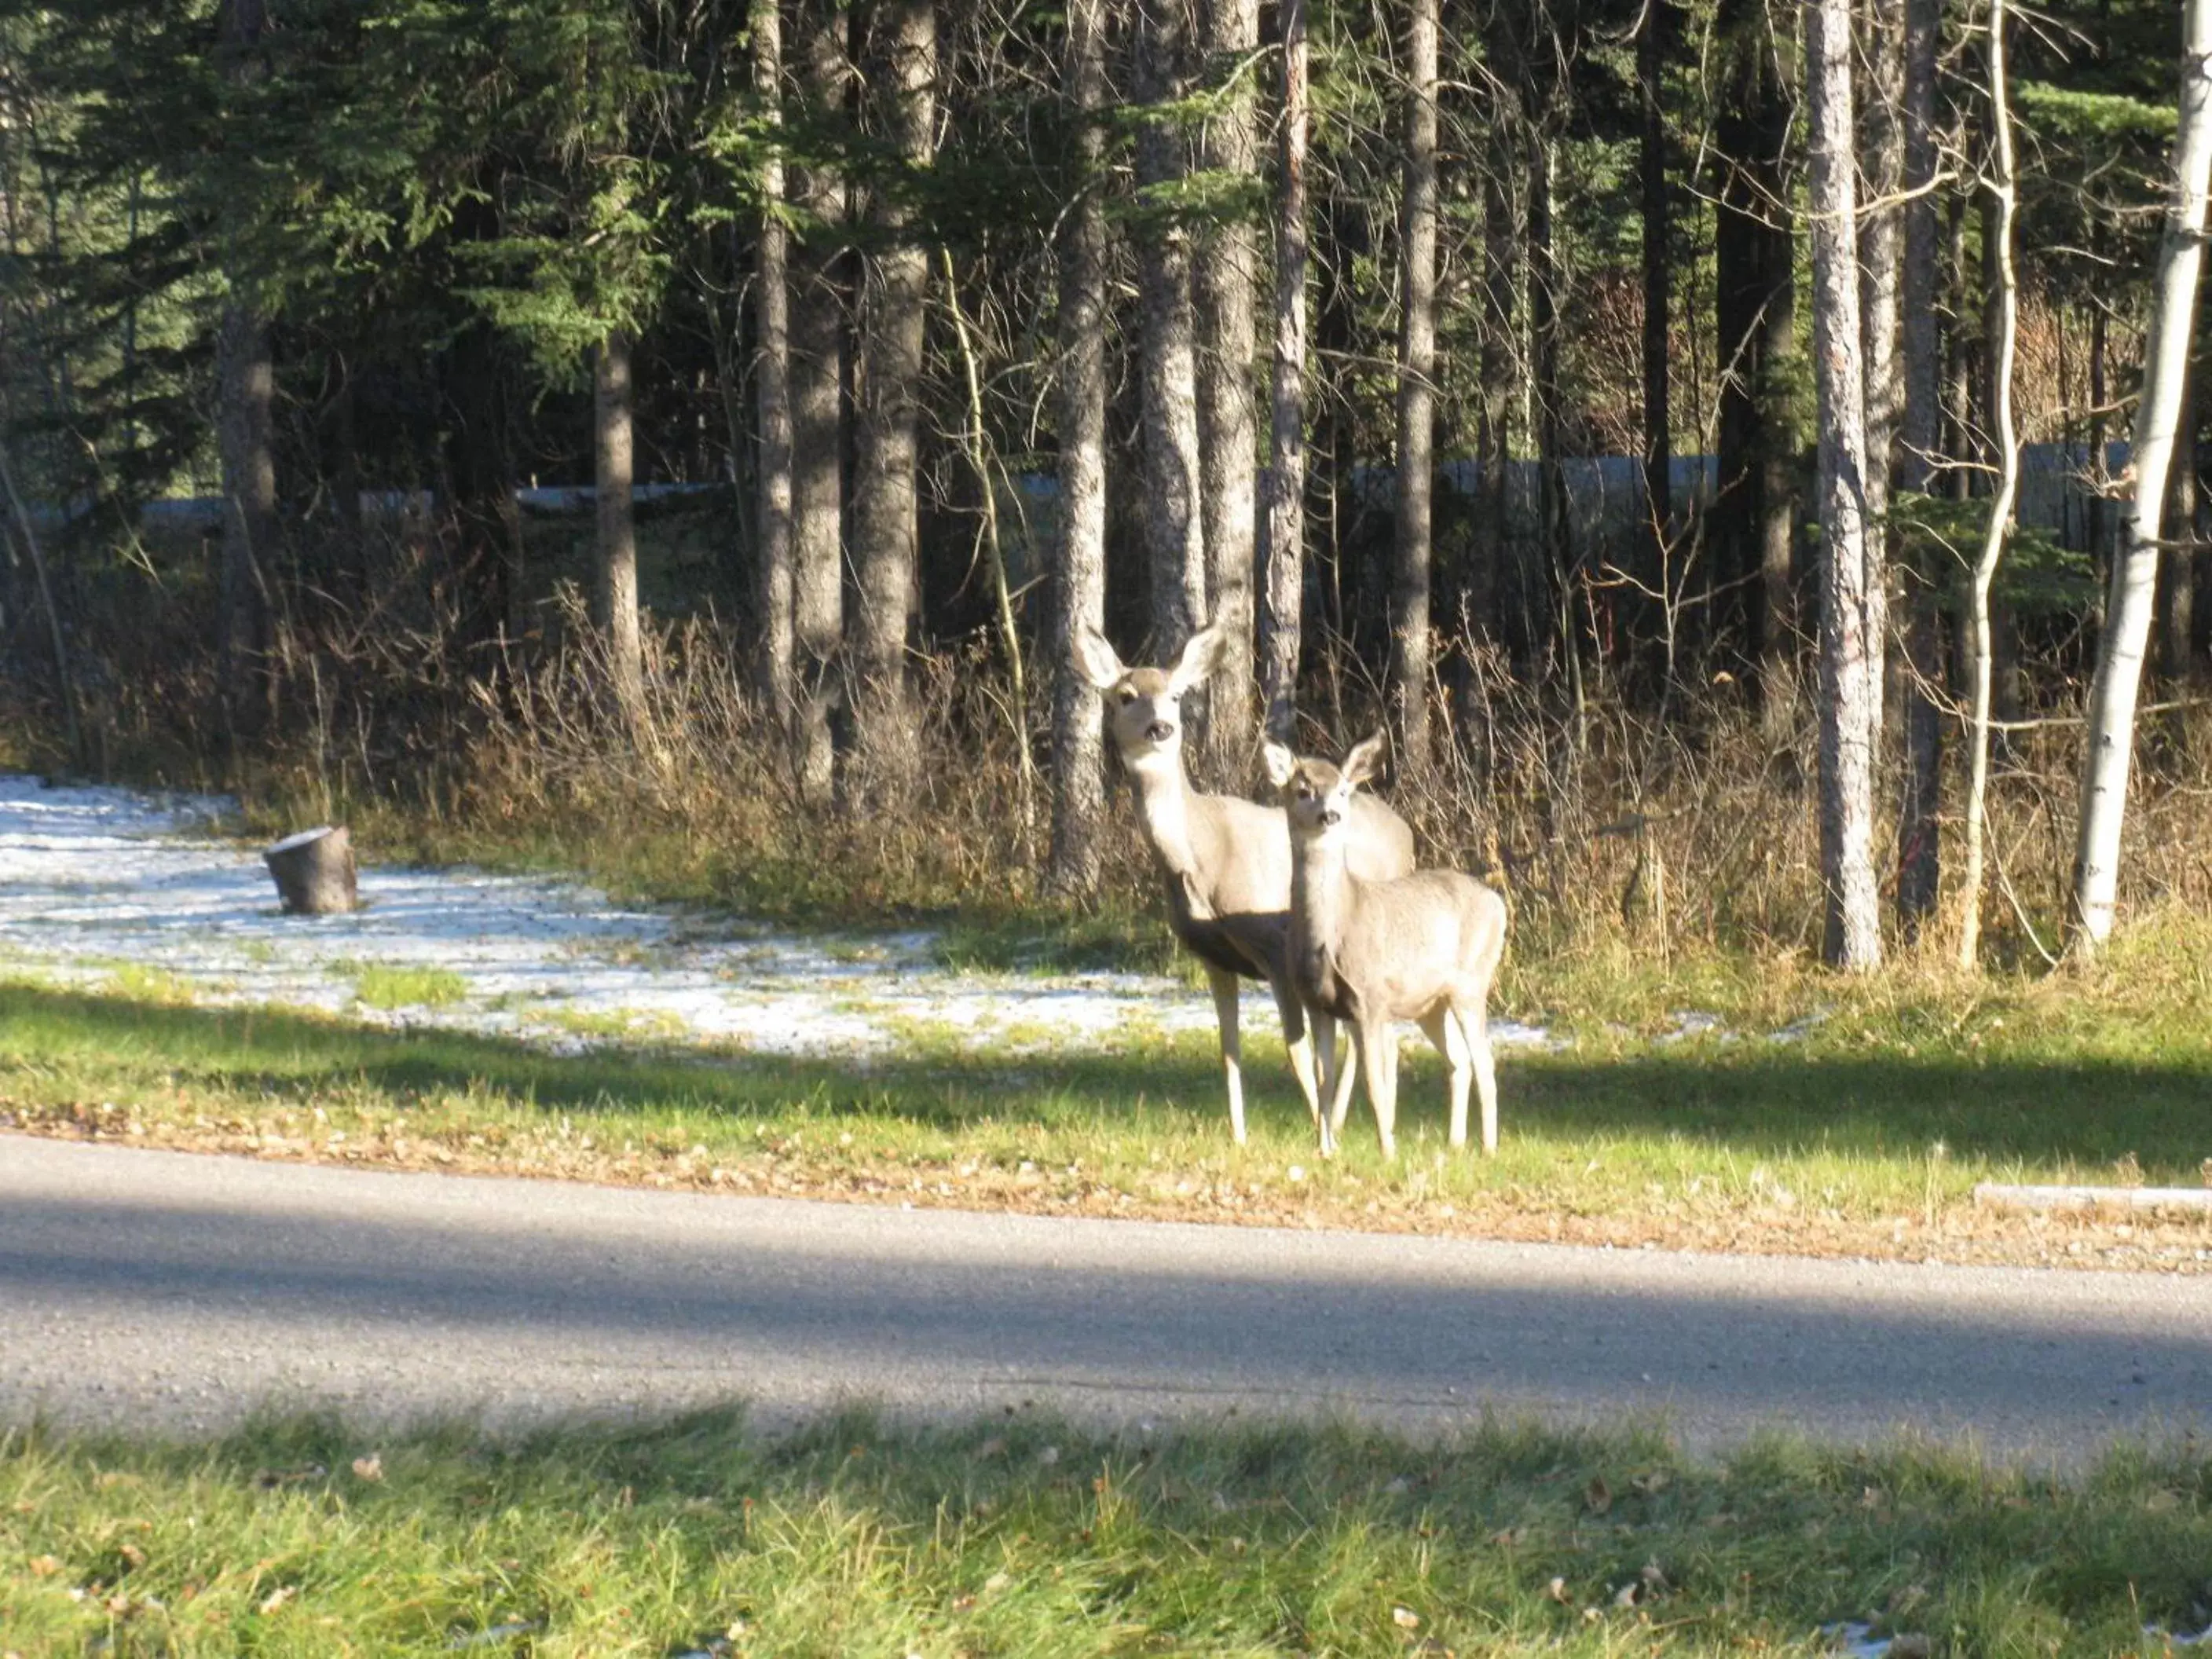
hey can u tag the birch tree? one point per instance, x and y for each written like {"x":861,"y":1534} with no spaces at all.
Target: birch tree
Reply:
{"x":1417,"y":368}
{"x":1223,"y":283}
{"x":2132,"y":600}
{"x":1078,"y":799}
{"x":817,"y":415}
{"x":1981,"y":652}
{"x":1851,"y":929}
{"x":886,"y":518}
{"x":772,"y":382}
{"x":1174,"y":525}
{"x":1280,"y":621}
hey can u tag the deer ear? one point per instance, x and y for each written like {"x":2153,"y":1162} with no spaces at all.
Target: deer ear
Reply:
{"x":1200,"y":655}
{"x":1281,"y":763}
{"x":1100,"y":665}
{"x":1366,"y":756}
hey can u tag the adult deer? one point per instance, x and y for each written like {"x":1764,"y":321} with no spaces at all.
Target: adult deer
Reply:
{"x":1227,"y":859}
{"x":1423,"y":947}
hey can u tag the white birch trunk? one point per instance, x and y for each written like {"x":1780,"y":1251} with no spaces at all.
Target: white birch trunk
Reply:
{"x":1851,"y":932}
{"x":772,"y":383}
{"x":1079,"y":758}
{"x":1174,"y":529}
{"x":1417,"y":367}
{"x":2135,"y":571}
{"x":1286,"y":469}
{"x":1223,"y":283}
{"x":1980,"y":647}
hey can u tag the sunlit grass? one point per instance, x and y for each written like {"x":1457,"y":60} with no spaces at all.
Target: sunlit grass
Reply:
{"x":307,"y":1537}
{"x":1863,"y":1131}
{"x":386,"y":986}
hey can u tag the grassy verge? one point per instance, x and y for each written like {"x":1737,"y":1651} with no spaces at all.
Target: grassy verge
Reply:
{"x":1862,"y":1136}
{"x":1027,"y":1537}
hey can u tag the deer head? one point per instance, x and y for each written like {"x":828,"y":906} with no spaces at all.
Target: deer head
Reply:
{"x":1316,"y":795}
{"x":1144,"y":705}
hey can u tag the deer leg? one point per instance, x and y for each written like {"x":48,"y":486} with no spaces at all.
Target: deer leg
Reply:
{"x":1232,"y":1048}
{"x":1299,"y":1033}
{"x":1450,"y":1039}
{"x":1342,"y":1067}
{"x":1475,"y":1022}
{"x":1378,"y":1058}
{"x":1323,"y":1027}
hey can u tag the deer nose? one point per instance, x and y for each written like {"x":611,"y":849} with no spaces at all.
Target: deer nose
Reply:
{"x":1330,"y":817}
{"x":1159,"y":731}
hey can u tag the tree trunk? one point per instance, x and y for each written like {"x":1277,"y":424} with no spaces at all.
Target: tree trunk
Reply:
{"x":1752,"y":528}
{"x":1851,"y":934}
{"x":244,"y":393}
{"x":1417,"y":365}
{"x":1544,"y":351}
{"x":886,"y":514}
{"x":1174,"y":529}
{"x":1646,"y":612}
{"x":1486,"y":578}
{"x":1882,"y":243}
{"x":244,"y":390}
{"x":772,"y":385}
{"x":2177,"y":572}
{"x":1078,"y":799}
{"x":1920,"y":845}
{"x":2005,"y":348}
{"x":2135,"y":572}
{"x":817,"y":410}
{"x":1223,"y":288}
{"x":614,"y":606}
{"x":1286,"y":471}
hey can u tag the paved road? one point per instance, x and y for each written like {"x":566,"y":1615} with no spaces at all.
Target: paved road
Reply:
{"x":140,"y":1287}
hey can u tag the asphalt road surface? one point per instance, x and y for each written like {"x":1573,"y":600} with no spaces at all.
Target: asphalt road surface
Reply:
{"x":148,"y":1288}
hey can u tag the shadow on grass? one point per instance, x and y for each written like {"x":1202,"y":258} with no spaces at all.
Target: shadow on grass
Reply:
{"x":1031,"y":1536}
{"x":2001,"y":1108}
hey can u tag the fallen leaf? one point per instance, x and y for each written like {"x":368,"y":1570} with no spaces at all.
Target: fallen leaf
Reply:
{"x":995,"y":1582}
{"x":1405,"y":1619}
{"x":1048,"y":1456}
{"x":992,"y":1447}
{"x":277,"y":1598}
{"x":1597,"y":1496}
{"x":370,"y":1468}
{"x":45,"y":1566}
{"x":1557,"y":1590}
{"x":1626,"y":1595}
{"x":132,"y":1553}
{"x":1397,"y":1485}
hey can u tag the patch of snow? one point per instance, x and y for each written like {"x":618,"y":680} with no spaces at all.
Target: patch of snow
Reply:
{"x":93,"y":881}
{"x":300,"y":840}
{"x":1857,"y":1641}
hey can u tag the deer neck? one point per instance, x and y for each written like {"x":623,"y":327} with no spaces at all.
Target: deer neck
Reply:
{"x":1320,"y":892}
{"x":1164,"y":802}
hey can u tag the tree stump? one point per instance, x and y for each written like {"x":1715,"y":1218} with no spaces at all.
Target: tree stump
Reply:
{"x":314,"y":871}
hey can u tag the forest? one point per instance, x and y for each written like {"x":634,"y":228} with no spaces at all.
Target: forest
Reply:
{"x":1747,"y":455}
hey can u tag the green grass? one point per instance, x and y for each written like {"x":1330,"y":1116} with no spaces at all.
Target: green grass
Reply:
{"x":377,"y":986}
{"x":1022,"y":1536}
{"x":1864,"y":1136}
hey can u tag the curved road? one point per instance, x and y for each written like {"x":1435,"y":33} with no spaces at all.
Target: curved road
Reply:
{"x":156,"y":1288}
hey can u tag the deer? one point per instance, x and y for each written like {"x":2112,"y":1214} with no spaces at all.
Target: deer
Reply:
{"x":1422,"y":946}
{"x":1226,"y":861}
